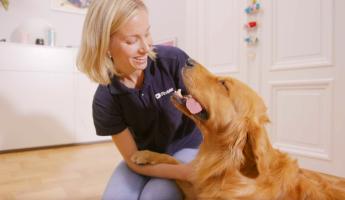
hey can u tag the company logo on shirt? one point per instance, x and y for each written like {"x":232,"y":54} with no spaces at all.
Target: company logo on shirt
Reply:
{"x":161,"y":94}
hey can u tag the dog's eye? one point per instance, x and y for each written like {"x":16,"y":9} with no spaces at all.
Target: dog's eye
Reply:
{"x":224,"y":84}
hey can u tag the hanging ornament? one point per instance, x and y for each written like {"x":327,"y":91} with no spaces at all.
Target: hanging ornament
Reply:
{"x":251,"y":25}
{"x":253,"y":8}
{"x":251,"y":40}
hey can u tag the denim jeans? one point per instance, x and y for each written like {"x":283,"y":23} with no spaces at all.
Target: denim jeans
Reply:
{"x":125,"y":184}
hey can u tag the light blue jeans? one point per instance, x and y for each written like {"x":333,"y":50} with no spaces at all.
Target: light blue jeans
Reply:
{"x":125,"y":184}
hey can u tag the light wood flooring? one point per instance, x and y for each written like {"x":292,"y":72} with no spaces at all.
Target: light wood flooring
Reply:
{"x":64,"y":173}
{"x":74,"y":172}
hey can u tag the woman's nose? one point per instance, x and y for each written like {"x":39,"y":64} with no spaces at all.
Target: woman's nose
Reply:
{"x":145,"y":46}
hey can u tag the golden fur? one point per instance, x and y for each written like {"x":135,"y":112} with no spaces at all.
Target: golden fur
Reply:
{"x":236,"y":159}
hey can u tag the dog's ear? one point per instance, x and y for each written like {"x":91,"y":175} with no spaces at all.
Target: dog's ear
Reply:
{"x":259,"y":141}
{"x":258,"y":121}
{"x":254,"y":124}
{"x":237,"y":140}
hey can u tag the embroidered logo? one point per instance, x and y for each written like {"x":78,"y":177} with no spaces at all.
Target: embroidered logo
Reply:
{"x":161,"y":94}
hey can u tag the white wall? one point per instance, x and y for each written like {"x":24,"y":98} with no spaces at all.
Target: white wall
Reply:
{"x":49,"y":102}
{"x":68,"y":26}
{"x":167,"y":20}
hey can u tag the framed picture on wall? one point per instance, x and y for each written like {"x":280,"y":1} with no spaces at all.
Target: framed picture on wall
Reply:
{"x":72,"y":6}
{"x":167,"y":42}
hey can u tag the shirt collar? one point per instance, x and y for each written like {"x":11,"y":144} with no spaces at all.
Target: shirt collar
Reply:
{"x":116,"y":87}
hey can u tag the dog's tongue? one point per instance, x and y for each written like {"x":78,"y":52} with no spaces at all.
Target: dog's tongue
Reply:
{"x":193,"y":106}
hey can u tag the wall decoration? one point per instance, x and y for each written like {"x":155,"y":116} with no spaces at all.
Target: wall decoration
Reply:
{"x":5,"y":3}
{"x":73,"y":6}
{"x":251,"y":27}
{"x":251,"y":40}
{"x":253,"y":8}
{"x":167,"y":42}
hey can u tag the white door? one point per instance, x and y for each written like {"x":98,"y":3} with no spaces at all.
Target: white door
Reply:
{"x":298,"y":69}
{"x":213,"y":35}
{"x":303,"y":80}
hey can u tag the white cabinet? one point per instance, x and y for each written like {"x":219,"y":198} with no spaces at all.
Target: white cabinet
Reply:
{"x":44,"y":100}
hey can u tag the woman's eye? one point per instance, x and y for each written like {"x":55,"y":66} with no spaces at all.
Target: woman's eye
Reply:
{"x":131,"y":41}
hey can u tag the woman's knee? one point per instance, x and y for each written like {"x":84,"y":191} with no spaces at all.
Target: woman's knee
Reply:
{"x":124,"y":184}
{"x":120,"y":196}
{"x":161,"y":189}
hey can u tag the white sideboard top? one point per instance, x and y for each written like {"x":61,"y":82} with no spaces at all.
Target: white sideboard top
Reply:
{"x":26,"y":57}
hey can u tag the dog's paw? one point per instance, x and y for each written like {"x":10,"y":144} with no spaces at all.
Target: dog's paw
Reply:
{"x":143,"y":157}
{"x":146,"y":157}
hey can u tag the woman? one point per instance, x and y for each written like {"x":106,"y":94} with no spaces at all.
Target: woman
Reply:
{"x":132,"y":102}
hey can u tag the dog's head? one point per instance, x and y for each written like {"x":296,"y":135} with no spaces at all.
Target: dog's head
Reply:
{"x":223,"y":100}
{"x":228,"y":112}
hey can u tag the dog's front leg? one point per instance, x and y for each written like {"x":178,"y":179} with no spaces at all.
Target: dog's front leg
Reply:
{"x":148,"y":157}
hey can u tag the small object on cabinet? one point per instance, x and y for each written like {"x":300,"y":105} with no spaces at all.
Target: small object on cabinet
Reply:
{"x":39,"y":41}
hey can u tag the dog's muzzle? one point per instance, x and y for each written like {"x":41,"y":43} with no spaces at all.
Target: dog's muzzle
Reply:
{"x":190,"y":62}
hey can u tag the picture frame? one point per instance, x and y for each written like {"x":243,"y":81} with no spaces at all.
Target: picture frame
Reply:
{"x":71,"y":6}
{"x":167,"y":42}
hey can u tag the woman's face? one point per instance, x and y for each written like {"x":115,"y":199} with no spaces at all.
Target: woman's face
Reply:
{"x":130,"y":45}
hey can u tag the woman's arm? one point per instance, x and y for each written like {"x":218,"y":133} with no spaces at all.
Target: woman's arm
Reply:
{"x":127,"y":147}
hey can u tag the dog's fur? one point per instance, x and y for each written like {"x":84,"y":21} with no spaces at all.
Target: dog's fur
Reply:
{"x":236,"y":159}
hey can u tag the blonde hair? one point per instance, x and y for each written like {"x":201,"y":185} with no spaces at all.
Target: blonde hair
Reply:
{"x":103,"y":19}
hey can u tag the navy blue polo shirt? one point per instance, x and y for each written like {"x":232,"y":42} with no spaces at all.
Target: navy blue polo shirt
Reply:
{"x":154,"y":122}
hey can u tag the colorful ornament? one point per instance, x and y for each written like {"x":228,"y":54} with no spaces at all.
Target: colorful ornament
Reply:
{"x":252,"y":9}
{"x":251,"y":25}
{"x":251,"y":40}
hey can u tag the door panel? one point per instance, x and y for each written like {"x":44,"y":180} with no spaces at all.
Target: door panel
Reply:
{"x":298,"y":69}
{"x":213,"y":35}
{"x":299,"y":83}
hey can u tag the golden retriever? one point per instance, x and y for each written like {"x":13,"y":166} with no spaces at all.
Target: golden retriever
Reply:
{"x":236,"y":159}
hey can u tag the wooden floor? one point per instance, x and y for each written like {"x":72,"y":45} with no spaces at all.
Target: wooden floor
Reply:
{"x":76,"y":172}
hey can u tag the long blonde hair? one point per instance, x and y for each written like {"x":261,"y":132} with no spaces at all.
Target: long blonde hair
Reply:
{"x":103,"y":19}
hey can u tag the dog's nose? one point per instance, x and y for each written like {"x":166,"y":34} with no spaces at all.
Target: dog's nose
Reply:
{"x":190,"y":62}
